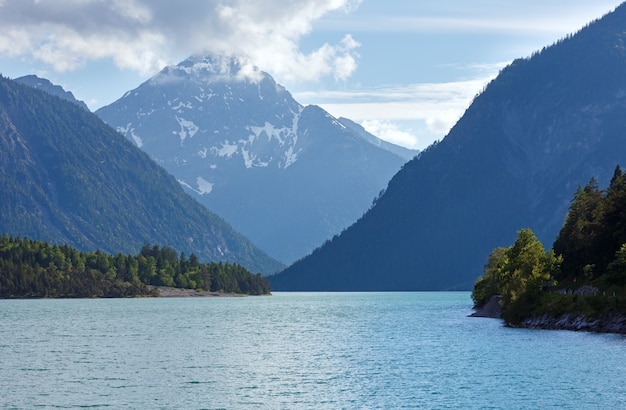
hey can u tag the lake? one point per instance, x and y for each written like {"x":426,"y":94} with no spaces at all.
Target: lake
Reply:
{"x":296,"y":351}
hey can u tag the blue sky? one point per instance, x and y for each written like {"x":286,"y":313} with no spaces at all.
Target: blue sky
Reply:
{"x":404,"y":69}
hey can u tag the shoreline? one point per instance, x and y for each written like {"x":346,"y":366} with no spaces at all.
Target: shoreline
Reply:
{"x":608,"y":323}
{"x":169,"y":292}
{"x":615,"y":324}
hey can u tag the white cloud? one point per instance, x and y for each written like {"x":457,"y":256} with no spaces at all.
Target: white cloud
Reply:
{"x":431,"y":109}
{"x":145,"y":35}
{"x":392,"y":132}
{"x":484,"y":16}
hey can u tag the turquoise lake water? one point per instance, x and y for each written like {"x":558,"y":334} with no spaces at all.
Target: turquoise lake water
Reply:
{"x":296,"y":351}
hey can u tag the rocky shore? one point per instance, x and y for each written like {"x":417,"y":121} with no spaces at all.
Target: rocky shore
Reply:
{"x":605,"y":324}
{"x":491,"y":309}
{"x":167,"y":292}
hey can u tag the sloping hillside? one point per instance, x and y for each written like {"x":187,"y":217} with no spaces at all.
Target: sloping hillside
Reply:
{"x":66,"y":177}
{"x":544,"y":126}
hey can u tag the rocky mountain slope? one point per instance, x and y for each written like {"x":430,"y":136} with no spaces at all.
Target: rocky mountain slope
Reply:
{"x":287,"y":176}
{"x":66,"y":177}
{"x":544,"y":126}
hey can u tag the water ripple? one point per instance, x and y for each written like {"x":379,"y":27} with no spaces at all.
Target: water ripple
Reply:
{"x":296,"y":350}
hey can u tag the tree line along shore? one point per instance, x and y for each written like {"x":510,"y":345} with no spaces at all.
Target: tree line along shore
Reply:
{"x":37,"y":269}
{"x":578,"y":284}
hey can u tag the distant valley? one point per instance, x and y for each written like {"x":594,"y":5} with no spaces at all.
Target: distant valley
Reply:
{"x":293,"y":178}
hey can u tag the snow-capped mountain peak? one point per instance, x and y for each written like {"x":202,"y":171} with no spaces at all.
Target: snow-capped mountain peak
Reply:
{"x":222,"y":68}
{"x":242,"y":145}
{"x":211,"y":69}
{"x":215,"y":109}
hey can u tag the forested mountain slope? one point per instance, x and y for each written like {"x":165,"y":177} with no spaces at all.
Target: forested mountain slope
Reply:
{"x":544,"y":126}
{"x":66,"y":177}
{"x":45,"y":85}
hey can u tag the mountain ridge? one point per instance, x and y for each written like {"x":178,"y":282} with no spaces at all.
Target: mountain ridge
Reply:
{"x":66,"y":177}
{"x":401,"y":151}
{"x":286,"y":175}
{"x":46,"y":85}
{"x":544,"y":126}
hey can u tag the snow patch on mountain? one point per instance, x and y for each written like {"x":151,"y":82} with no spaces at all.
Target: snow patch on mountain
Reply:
{"x":179,"y":105}
{"x":186,"y":185}
{"x":142,"y":113}
{"x":296,"y":120}
{"x":128,"y":130}
{"x":250,"y":160}
{"x":271,"y":132}
{"x":204,"y":186}
{"x":187,"y":129}
{"x":291,"y":155}
{"x":136,"y":138}
{"x":227,"y":150}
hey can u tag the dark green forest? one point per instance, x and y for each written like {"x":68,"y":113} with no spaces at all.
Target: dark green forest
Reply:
{"x":36,"y":269}
{"x":545,"y":125}
{"x":68,"y":178}
{"x":589,"y":254}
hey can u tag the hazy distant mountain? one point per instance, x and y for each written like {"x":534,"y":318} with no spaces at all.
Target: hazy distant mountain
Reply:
{"x":544,"y":126}
{"x":45,"y":85}
{"x":66,"y":177}
{"x":287,"y":176}
{"x":405,"y":153}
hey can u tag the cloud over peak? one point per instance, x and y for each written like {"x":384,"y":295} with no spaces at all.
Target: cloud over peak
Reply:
{"x":145,"y":35}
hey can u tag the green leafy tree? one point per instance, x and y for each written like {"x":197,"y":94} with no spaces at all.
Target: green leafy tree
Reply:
{"x":520,"y":274}
{"x":487,"y":285}
{"x":37,"y":269}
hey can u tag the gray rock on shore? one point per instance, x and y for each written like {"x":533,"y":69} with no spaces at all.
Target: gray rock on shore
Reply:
{"x":606,"y":324}
{"x":491,"y":309}
{"x":609,"y":323}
